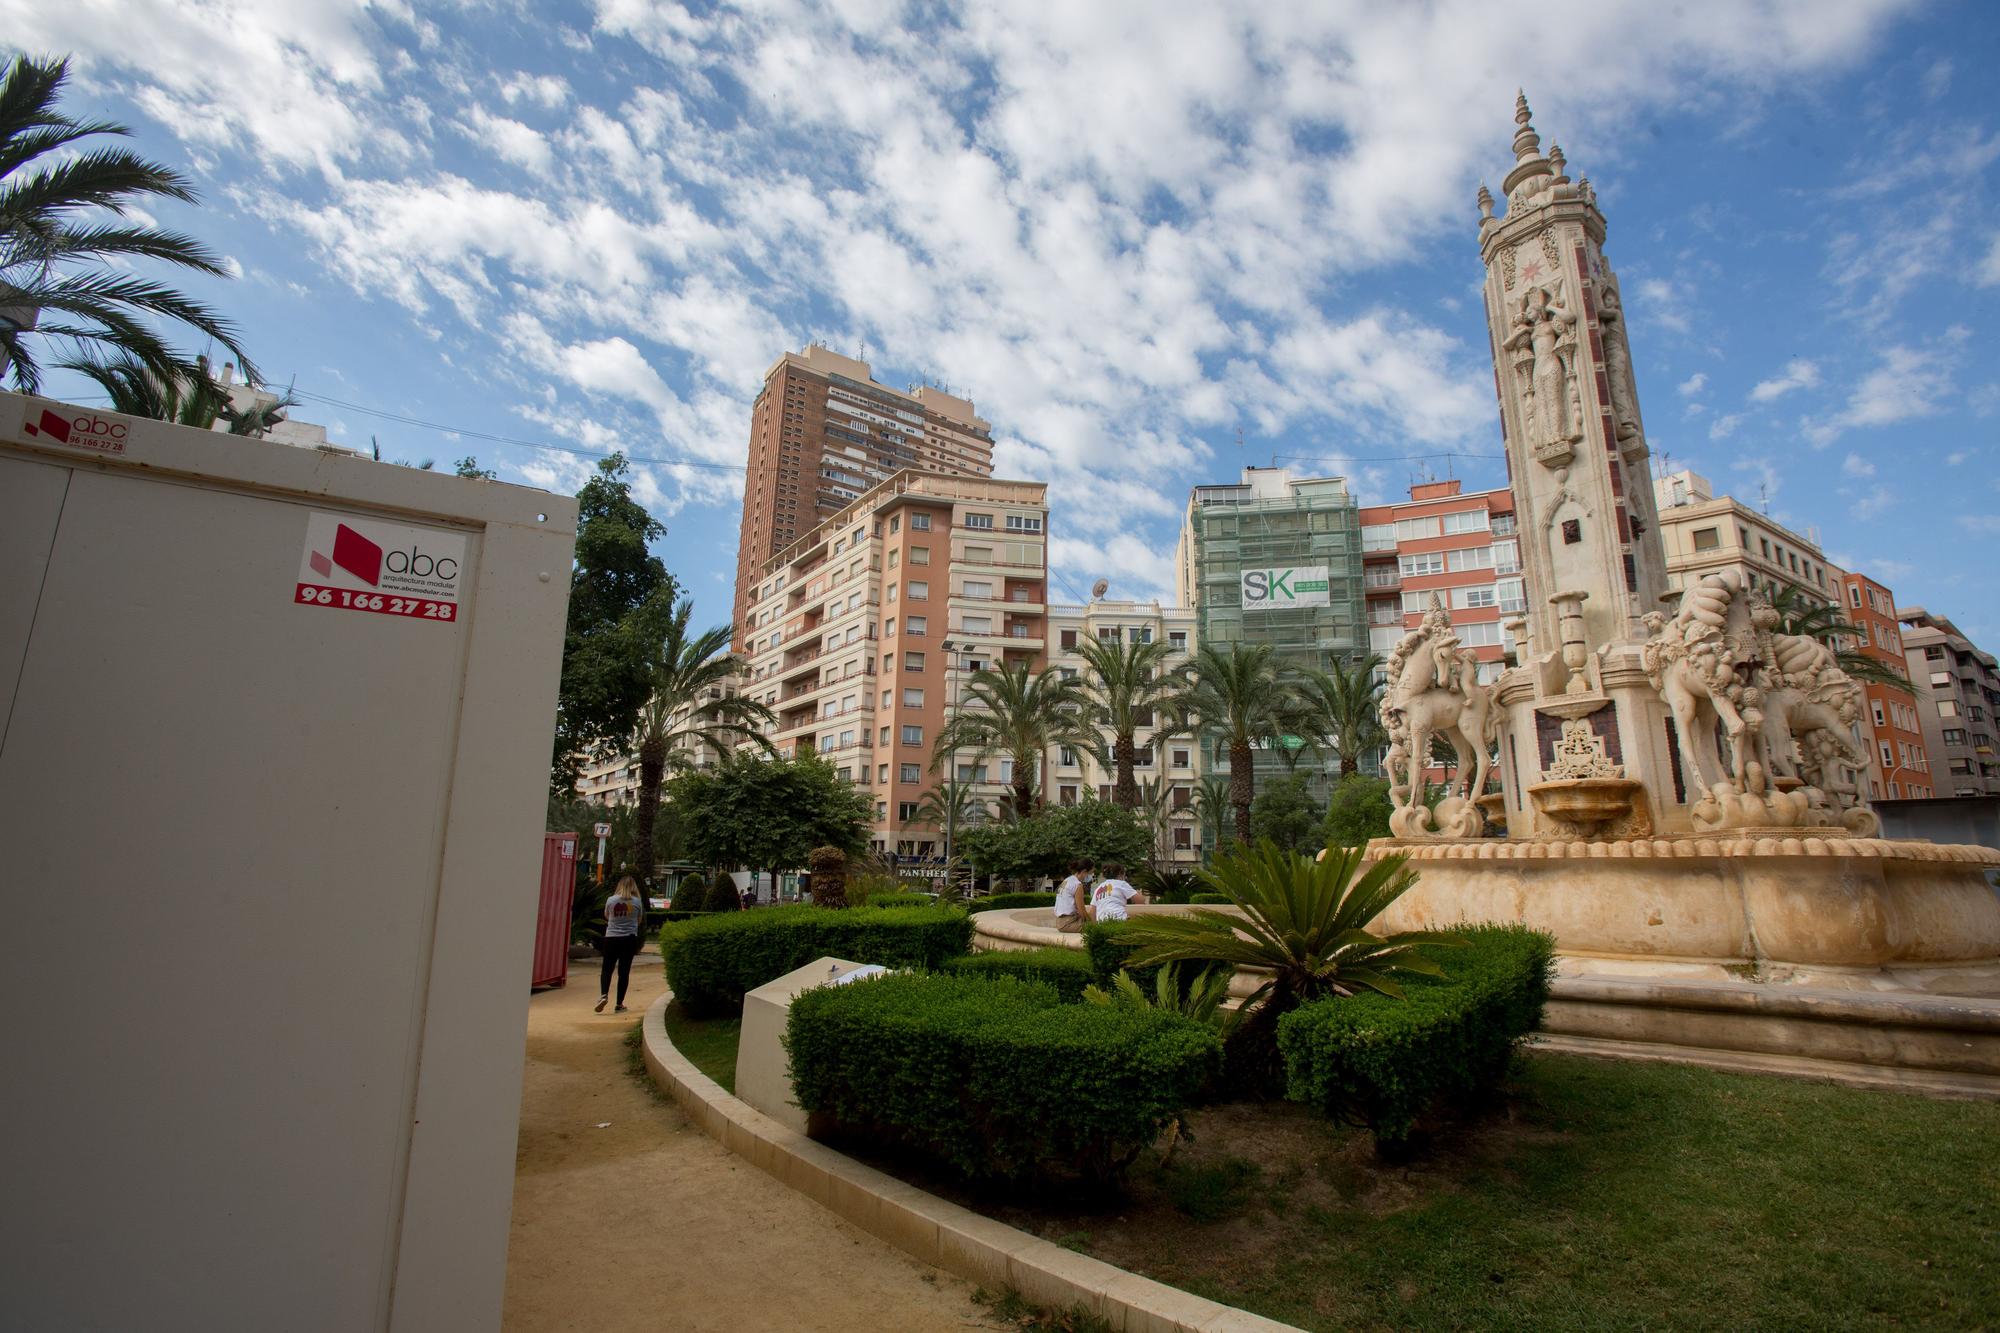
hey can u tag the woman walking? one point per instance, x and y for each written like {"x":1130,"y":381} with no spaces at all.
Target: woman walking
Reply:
{"x":623,"y":911}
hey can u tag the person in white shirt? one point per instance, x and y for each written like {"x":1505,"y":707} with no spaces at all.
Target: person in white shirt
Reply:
{"x":1111,"y":896}
{"x":1070,"y":898}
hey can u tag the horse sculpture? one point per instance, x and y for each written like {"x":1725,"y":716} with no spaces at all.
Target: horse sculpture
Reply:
{"x":1434,"y":690}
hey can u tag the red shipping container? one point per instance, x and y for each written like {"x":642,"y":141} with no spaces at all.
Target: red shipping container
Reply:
{"x":552,"y":920}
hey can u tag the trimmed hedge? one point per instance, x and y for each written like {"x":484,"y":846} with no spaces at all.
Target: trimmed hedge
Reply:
{"x":1383,"y":1062}
{"x":900,"y":900}
{"x":1001,"y":901}
{"x":711,"y":962}
{"x":1210,"y":899}
{"x":997,"y":1078}
{"x":1067,"y":970}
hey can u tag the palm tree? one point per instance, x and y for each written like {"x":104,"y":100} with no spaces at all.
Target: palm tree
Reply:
{"x":1016,"y":710}
{"x":1155,"y":807}
{"x":688,"y":704}
{"x":1346,"y":704}
{"x":186,"y":398}
{"x":1129,"y":685}
{"x":60,"y":274}
{"x":1304,"y":922}
{"x":949,"y":806}
{"x":1211,"y":803}
{"x":1240,"y":691}
{"x":1801,"y":612}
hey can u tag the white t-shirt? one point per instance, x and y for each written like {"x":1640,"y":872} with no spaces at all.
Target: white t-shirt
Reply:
{"x":1066,"y":896}
{"x":1111,"y":897}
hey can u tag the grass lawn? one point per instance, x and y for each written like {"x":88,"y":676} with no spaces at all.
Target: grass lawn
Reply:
{"x":708,"y":1043}
{"x":1601,"y":1195}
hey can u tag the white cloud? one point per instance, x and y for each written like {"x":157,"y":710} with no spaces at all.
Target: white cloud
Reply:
{"x":1937,"y":80}
{"x":1983,"y":524}
{"x":1693,"y":384}
{"x":511,"y":141}
{"x":1987,"y":272}
{"x":1798,"y":373}
{"x":1667,"y":303}
{"x":1909,"y":382}
{"x":1957,"y":456}
{"x":1724,"y":426}
{"x":1856,"y":466}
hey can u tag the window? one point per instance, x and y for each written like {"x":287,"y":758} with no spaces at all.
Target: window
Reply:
{"x":1415,"y":529}
{"x":978,"y":555}
{"x":1067,"y":757}
{"x":972,"y":772}
{"x":1707,"y":539}
{"x":1142,"y":757}
{"x":889,"y":628}
{"x":918,"y":626}
{"x":1180,"y":758}
{"x":1854,"y":595}
{"x":1511,"y":594}
{"x":920,"y":555}
{"x":1876,"y":706}
{"x":1066,"y":795}
{"x":896,"y":524}
{"x":980,"y":521}
{"x":1468,"y":598}
{"x":1023,"y":523}
{"x":1888,"y":755}
{"x":1503,"y":525}
{"x":1947,"y":707}
{"x":913,"y":698}
{"x":894,"y":556}
{"x":976,"y":624}
{"x":1068,"y":639}
{"x":1177,"y":640}
{"x":1472,"y":557}
{"x":920,"y":523}
{"x":1486,"y":635}
{"x":1468,"y":520}
{"x":913,"y":735}
{"x":1954,"y":736}
{"x":887,"y":695}
{"x":1765,"y":542}
{"x":919,"y":592}
{"x":885,"y":735}
{"x":1429,"y":563}
{"x":913,"y":661}
{"x":1378,"y":537}
{"x":1183,"y":838}
{"x":1103,"y":791}
{"x":905,"y":811}
{"x":882,"y":772}
{"x":979,"y":588}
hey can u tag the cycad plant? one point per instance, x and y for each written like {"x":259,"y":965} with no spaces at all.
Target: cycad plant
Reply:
{"x":1018,"y":711}
{"x":1304,"y":921}
{"x":1200,"y":999}
{"x":689,"y":704}
{"x":62,"y":274}
{"x":1129,"y":686}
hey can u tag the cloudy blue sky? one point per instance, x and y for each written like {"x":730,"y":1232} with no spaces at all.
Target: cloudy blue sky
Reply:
{"x":1130,"y":232}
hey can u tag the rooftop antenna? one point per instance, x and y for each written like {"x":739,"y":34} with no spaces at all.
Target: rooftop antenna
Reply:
{"x":1098,"y":589}
{"x":1764,"y":497}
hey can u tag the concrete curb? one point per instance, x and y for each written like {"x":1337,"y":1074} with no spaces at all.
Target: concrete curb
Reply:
{"x":958,"y":1240}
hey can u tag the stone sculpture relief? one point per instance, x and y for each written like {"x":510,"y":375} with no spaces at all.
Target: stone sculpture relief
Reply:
{"x":1434,"y":690}
{"x":1617,"y":360}
{"x":1784,"y":707}
{"x":1543,"y":341}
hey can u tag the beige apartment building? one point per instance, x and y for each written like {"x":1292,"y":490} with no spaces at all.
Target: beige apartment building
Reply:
{"x":858,"y":634}
{"x":1704,"y":533}
{"x":1175,"y":765}
{"x":823,"y":432}
{"x":1957,"y":684}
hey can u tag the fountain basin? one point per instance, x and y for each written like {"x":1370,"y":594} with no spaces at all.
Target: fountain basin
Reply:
{"x":1586,"y":808}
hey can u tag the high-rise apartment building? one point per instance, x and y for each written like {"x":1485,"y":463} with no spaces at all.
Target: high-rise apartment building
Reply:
{"x":1175,"y":765}
{"x":859,"y":634}
{"x":1899,"y":758}
{"x":1274,"y":559}
{"x":1704,"y":533}
{"x":610,"y":775}
{"x":822,"y":432}
{"x":1958,"y":697}
{"x":1441,"y":542}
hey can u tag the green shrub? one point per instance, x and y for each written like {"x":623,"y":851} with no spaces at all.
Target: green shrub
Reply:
{"x":996,"y":1078}
{"x":894,"y":899}
{"x":1000,"y":901}
{"x":722,"y":896}
{"x":690,"y":895}
{"x":1209,"y":898}
{"x":1067,"y":970}
{"x":712,"y":961}
{"x":1383,"y":1062}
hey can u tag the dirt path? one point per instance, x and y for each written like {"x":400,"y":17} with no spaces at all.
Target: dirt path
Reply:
{"x":650,"y":1224}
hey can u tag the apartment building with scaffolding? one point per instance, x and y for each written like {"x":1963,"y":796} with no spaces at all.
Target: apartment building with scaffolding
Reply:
{"x":1274,"y":559}
{"x":822,"y":433}
{"x":859,"y":634}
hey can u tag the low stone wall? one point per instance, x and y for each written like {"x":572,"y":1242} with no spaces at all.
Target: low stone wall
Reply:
{"x":940,"y":1233}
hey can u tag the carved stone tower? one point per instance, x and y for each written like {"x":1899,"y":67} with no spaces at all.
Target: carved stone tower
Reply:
{"x":1576,"y":446}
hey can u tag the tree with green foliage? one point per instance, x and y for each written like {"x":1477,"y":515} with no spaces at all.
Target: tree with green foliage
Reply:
{"x":1211,"y":806}
{"x":1303,"y":921}
{"x":1128,"y":686}
{"x":1284,"y":812}
{"x":951,"y":807}
{"x":1344,"y":703}
{"x":1804,"y":613}
{"x":66,"y":273}
{"x":620,"y":601}
{"x":1047,"y":842}
{"x":687,"y":704}
{"x":1239,"y":690}
{"x":1357,"y":809}
{"x":1015,"y":710}
{"x":469,"y":467}
{"x":768,"y":814}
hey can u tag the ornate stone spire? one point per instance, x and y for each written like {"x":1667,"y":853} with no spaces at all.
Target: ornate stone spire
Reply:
{"x":1527,"y":143}
{"x":1557,"y":161}
{"x":1485,"y":204}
